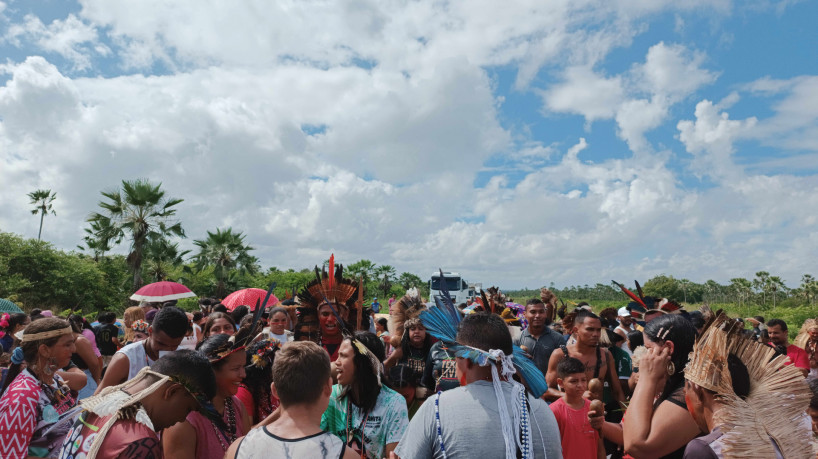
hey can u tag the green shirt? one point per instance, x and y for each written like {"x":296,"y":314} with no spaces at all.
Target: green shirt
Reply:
{"x":385,"y":424}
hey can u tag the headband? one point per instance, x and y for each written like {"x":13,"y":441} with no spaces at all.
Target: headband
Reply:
{"x":28,"y":337}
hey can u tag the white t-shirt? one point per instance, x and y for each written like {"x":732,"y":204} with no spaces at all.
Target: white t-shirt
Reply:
{"x":260,"y":442}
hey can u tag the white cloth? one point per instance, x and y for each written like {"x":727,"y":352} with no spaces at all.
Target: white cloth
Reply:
{"x":137,"y":358}
{"x":190,"y":342}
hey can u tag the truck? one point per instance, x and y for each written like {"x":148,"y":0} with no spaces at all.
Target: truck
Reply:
{"x":459,"y":290}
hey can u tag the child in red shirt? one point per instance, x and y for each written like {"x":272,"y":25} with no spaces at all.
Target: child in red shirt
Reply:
{"x":579,"y":431}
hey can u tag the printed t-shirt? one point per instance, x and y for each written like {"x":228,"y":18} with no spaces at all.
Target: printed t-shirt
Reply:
{"x":440,"y":370}
{"x":579,"y":439}
{"x":105,"y":334}
{"x":622,"y":362}
{"x":416,"y":361}
{"x":710,"y":446}
{"x":260,"y":442}
{"x":34,"y":417}
{"x":383,"y":425}
{"x":127,"y":439}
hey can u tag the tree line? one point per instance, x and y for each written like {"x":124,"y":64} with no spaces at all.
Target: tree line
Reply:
{"x":141,"y":216}
{"x":764,"y":291}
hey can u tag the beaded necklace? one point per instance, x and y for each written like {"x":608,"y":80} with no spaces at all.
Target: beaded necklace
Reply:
{"x":230,"y":435}
{"x":360,"y":428}
{"x":525,"y":439}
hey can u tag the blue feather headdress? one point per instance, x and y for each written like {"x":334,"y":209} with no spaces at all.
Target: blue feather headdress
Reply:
{"x":442,"y":322}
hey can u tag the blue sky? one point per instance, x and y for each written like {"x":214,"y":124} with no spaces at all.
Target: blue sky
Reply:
{"x":520,"y":144}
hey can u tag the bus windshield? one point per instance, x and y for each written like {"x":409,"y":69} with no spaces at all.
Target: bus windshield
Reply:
{"x":452,"y":283}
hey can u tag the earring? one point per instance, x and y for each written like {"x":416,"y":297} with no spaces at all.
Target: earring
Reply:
{"x":671,"y":369}
{"x":48,"y":368}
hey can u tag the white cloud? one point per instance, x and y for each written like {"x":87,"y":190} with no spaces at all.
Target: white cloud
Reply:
{"x":585,"y":93}
{"x":71,"y":38}
{"x":710,"y":140}
{"x":362,"y":128}
{"x":673,"y":72}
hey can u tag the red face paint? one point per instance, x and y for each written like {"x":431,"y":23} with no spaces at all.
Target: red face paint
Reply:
{"x":690,"y":409}
{"x":328,"y":322}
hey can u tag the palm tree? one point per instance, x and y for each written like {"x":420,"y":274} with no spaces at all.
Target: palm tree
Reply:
{"x":95,"y":240}
{"x":226,"y":252}
{"x":42,"y":200}
{"x":160,"y":256}
{"x":141,"y":212}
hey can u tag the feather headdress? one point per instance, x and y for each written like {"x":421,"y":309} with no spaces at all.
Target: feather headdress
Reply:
{"x":642,"y":304}
{"x":329,"y":286}
{"x":442,"y":322}
{"x":803,"y":338}
{"x":331,"y":289}
{"x":774,"y":407}
{"x":403,"y":314}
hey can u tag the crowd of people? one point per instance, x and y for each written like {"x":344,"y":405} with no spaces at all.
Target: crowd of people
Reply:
{"x":322,"y":375}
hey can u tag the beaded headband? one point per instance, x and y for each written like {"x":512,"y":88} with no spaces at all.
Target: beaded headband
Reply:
{"x":28,"y":337}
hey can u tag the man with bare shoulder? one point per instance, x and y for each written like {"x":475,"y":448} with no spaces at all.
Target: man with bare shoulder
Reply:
{"x":598,"y":361}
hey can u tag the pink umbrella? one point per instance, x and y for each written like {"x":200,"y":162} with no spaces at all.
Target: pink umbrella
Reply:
{"x":248,"y":297}
{"x":162,"y":291}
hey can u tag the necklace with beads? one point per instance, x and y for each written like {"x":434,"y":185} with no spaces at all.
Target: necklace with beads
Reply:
{"x":230,"y":435}
{"x":525,"y":438}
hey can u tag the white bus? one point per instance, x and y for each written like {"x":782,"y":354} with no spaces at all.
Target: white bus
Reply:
{"x":458,"y":288}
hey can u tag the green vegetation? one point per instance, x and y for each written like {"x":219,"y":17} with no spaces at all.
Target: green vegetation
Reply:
{"x":140,"y":213}
{"x":43,"y":204}
{"x":35,"y":274}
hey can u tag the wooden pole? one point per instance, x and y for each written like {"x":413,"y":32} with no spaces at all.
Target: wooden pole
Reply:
{"x":360,"y":303}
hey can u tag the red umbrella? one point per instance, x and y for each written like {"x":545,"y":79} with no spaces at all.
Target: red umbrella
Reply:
{"x":162,"y":291}
{"x":248,"y":297}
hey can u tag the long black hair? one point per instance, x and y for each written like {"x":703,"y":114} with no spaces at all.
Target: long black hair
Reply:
{"x":259,"y":372}
{"x":682,"y":334}
{"x":366,"y":377}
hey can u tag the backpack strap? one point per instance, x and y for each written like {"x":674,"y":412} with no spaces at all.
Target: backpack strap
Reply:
{"x":564,"y":350}
{"x":598,"y":362}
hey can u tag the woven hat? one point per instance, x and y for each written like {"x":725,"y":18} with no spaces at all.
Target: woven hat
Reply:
{"x":775,"y":405}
